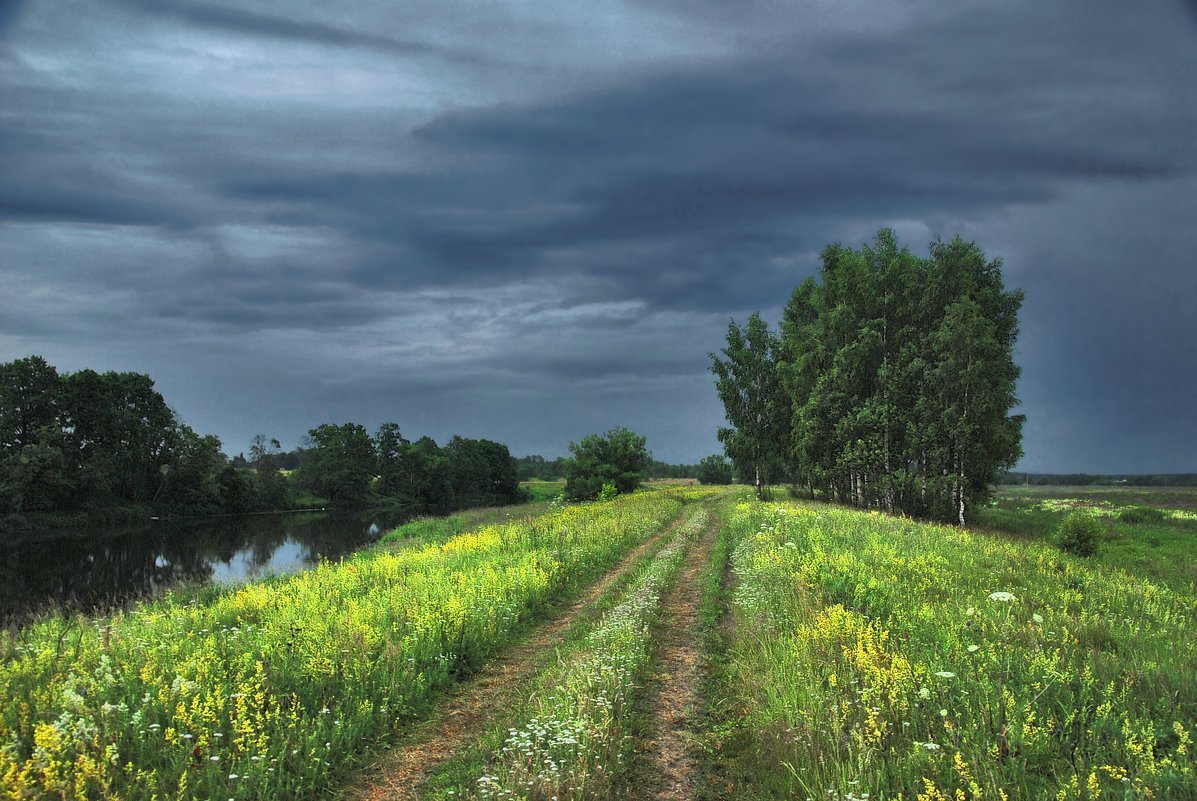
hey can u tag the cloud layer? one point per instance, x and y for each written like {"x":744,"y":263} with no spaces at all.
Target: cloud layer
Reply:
{"x":505,"y":221}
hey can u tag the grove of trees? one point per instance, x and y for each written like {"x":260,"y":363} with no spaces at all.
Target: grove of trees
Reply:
{"x":107,"y":444}
{"x":90,"y":439}
{"x":889,"y":385}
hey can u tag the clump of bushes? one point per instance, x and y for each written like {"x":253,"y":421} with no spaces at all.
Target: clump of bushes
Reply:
{"x":1141,"y":514}
{"x":1078,"y":534}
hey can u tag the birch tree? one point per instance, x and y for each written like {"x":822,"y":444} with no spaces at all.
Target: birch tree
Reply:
{"x":754,"y":401}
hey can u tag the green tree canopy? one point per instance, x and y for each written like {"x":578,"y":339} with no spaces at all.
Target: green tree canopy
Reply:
{"x":340,"y":464}
{"x":715,"y":469}
{"x":618,"y":457}
{"x":899,"y":377}
{"x":754,"y":400}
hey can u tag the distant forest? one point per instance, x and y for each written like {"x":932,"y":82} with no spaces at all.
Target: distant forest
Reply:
{"x":107,"y":446}
{"x":1010,"y":478}
{"x":538,"y":468}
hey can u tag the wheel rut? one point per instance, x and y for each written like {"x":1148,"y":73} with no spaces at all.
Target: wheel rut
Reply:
{"x":668,"y":764}
{"x":400,"y":774}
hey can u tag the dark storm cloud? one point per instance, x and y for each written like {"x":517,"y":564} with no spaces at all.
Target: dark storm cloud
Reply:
{"x":712,"y":162}
{"x":681,"y":166}
{"x":10,"y":12}
{"x":1191,"y":6}
{"x":254,"y":24}
{"x":400,"y":204}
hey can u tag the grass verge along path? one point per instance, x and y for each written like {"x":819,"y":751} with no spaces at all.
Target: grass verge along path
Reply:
{"x":399,"y":776}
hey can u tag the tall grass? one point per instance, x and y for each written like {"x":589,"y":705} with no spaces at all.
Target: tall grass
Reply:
{"x":882,"y":658}
{"x":268,"y":691}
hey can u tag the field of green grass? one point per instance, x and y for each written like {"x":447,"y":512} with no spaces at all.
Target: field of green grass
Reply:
{"x":543,"y":490}
{"x":423,"y":530}
{"x":876,"y":657}
{"x":1149,"y":531}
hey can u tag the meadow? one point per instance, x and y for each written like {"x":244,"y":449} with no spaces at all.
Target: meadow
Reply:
{"x":1149,"y":531}
{"x":876,"y":657}
{"x":542,"y":490}
{"x":272,"y":690}
{"x":842,"y":654}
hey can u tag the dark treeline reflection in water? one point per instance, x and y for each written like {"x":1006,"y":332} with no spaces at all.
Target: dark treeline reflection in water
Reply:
{"x":83,"y":570}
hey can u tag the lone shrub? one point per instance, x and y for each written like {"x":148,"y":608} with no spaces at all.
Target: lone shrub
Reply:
{"x":608,"y":492}
{"x":1078,"y":534}
{"x":618,"y":457}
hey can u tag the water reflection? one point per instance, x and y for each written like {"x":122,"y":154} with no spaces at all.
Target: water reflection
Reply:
{"x":93,"y":569}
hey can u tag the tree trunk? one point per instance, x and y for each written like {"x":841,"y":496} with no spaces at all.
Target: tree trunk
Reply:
{"x":960,"y":489}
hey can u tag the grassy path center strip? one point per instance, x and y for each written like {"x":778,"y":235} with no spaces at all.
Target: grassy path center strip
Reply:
{"x":668,"y":769}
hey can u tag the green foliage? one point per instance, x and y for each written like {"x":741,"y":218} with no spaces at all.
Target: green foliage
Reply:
{"x":618,"y":457}
{"x":237,"y":490}
{"x":1163,"y":550}
{"x":537,"y":468}
{"x":392,"y":466}
{"x":1078,"y":534}
{"x":754,"y":400}
{"x":270,"y":691}
{"x":482,"y":473}
{"x":899,"y":377}
{"x":714,"y":469}
{"x":543,"y":490}
{"x":423,"y":530}
{"x":607,"y":492}
{"x":339,"y":464}
{"x":87,"y":440}
{"x":95,"y":443}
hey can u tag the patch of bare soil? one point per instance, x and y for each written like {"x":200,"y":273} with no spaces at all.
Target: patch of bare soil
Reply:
{"x":401,"y":772}
{"x":669,"y":764}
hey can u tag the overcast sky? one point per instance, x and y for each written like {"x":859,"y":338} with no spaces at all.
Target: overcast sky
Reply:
{"x":529,"y":221}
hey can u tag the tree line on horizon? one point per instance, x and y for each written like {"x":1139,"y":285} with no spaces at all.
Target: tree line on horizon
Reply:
{"x":107,"y":445}
{"x":537,"y":468}
{"x":889,"y":385}
{"x":1022,"y":478}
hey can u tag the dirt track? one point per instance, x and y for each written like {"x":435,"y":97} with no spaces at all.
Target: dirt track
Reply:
{"x":668,"y":768}
{"x":401,"y":773}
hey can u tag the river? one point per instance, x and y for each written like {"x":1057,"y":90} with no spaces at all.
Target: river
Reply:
{"x":93,"y":569}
